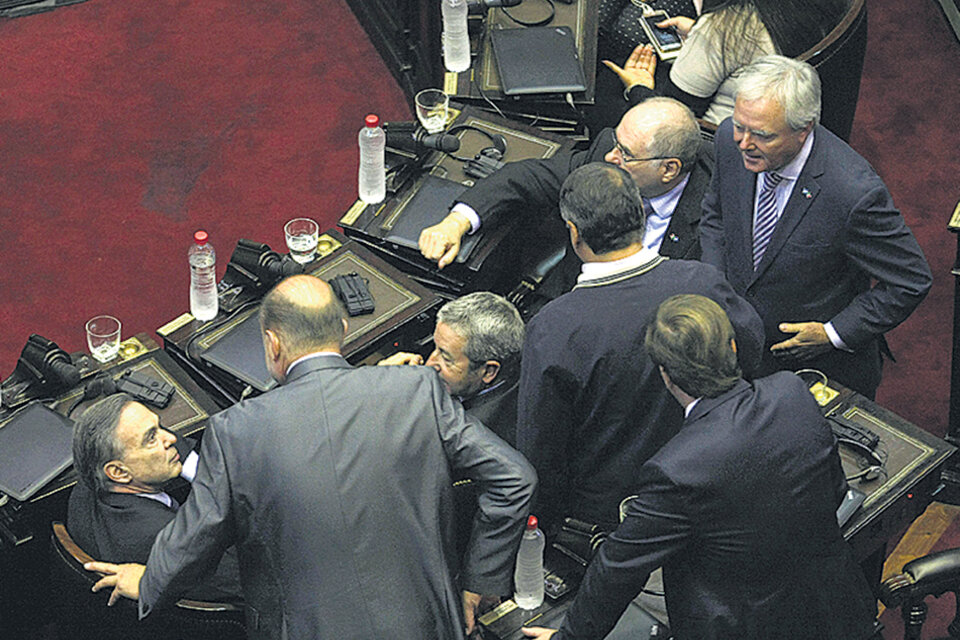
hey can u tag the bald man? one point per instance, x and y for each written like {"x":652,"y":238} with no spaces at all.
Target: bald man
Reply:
{"x":657,"y":142}
{"x":336,"y":488}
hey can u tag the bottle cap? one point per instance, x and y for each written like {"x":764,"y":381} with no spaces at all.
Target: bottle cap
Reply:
{"x":200,"y":237}
{"x":372,"y":120}
{"x":532,"y":523}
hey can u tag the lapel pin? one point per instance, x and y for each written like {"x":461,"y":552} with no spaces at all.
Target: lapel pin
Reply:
{"x":806,"y":193}
{"x":674,"y":238}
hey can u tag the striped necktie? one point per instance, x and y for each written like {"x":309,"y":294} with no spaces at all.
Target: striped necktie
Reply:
{"x":767,"y":216}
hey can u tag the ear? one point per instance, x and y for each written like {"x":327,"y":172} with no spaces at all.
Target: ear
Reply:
{"x":663,"y":376}
{"x":271,"y":344}
{"x":346,"y":326}
{"x":490,"y":370}
{"x":117,"y":472}
{"x":733,"y":345}
{"x":574,"y":233}
{"x":670,"y":169}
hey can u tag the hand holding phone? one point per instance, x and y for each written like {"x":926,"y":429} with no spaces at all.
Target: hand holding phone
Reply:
{"x":666,"y":41}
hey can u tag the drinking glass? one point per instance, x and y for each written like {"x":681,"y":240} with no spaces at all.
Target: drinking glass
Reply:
{"x":432,"y":109}
{"x":103,"y":338}
{"x":301,"y":235}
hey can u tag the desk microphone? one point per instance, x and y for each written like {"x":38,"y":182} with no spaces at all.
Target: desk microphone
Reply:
{"x":408,"y":136}
{"x":481,"y":6}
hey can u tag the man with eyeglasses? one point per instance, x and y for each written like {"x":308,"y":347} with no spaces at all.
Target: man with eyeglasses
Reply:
{"x":802,"y":225}
{"x":657,"y":142}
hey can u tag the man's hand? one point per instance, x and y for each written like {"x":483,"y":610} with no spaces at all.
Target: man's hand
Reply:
{"x":401,"y":357}
{"x":638,"y":69}
{"x":811,"y":340}
{"x":441,"y":242}
{"x":682,"y":24}
{"x":475,"y":604}
{"x":541,"y":633}
{"x":124,"y":578}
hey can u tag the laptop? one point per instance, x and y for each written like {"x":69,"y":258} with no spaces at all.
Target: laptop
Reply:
{"x":535,"y":60}
{"x":240,"y":353}
{"x":427,"y":207}
{"x":36,"y":445}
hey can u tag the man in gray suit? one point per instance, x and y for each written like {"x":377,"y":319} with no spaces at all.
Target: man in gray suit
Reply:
{"x":336,"y":488}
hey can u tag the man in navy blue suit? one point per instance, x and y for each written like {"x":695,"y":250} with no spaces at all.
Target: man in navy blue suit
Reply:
{"x":802,"y":225}
{"x":739,"y":507}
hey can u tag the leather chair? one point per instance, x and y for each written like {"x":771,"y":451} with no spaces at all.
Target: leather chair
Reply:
{"x":931,"y":575}
{"x":84,"y":614}
{"x":838,"y":59}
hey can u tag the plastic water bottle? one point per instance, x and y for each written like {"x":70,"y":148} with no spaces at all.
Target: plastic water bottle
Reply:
{"x":203,"y":278}
{"x":456,"y":40}
{"x":373,"y":175}
{"x":528,"y":576}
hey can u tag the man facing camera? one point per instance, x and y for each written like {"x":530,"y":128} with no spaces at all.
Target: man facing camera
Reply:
{"x":657,"y":142}
{"x":739,"y":507}
{"x":805,"y":229}
{"x":124,"y":459}
{"x":337,"y":489}
{"x":591,"y":408}
{"x":477,"y":345}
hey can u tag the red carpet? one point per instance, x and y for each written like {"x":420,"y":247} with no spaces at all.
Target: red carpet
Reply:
{"x":125,"y":126}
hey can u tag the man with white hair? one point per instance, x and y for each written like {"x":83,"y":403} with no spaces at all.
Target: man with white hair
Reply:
{"x":801,"y":225}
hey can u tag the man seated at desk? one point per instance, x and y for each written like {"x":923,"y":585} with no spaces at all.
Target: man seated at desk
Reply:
{"x":739,"y":507}
{"x":477,"y":345}
{"x":657,"y":142}
{"x":124,"y":459}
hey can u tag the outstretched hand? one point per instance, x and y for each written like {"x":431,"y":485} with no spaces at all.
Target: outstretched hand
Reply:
{"x":124,"y":578}
{"x":638,"y":69}
{"x":441,"y":242}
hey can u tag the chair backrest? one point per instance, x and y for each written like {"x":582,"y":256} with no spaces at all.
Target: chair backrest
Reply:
{"x":85,"y":613}
{"x":838,"y":58}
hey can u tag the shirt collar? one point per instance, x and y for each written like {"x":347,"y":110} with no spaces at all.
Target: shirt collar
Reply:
{"x":161,"y":496}
{"x":311,"y":356}
{"x":597,"y":270}
{"x":793,"y":168}
{"x":667,"y":202}
{"x":687,"y":409}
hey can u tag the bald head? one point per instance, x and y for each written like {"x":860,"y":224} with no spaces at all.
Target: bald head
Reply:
{"x":658,"y":142}
{"x":304,"y":315}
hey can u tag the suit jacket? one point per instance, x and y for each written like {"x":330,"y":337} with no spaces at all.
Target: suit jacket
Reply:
{"x":340,"y":504}
{"x":534,"y":185}
{"x":497,"y":408}
{"x":838,"y":231}
{"x":592,"y":407}
{"x":740,"y":510}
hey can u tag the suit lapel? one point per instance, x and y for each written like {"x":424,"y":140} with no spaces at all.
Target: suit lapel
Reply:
{"x":744,"y":188}
{"x":681,"y":232}
{"x":804,"y":194}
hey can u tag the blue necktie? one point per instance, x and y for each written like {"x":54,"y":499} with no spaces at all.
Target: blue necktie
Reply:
{"x":766,"y":216}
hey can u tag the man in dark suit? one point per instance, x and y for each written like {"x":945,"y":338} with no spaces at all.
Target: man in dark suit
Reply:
{"x":657,"y":142}
{"x":591,"y":408}
{"x":124,"y":459}
{"x":336,"y":488}
{"x":739,"y":507}
{"x":477,"y":344}
{"x":801,"y":225}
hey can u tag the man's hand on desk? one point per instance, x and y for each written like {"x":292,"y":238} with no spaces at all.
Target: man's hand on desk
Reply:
{"x":441,"y":242}
{"x":811,"y":340}
{"x":401,"y":357}
{"x":124,"y":578}
{"x":541,"y":633}
{"x":475,"y":604}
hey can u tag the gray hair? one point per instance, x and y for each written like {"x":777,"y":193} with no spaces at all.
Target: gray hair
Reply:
{"x":95,"y":439}
{"x":490,"y":326}
{"x":792,"y":83}
{"x":678,"y":136}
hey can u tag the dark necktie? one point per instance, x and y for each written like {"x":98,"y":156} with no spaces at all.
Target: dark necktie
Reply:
{"x":766,"y":215}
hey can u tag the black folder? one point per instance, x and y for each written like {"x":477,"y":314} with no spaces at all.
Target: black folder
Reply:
{"x":36,"y":444}
{"x":537,"y":60}
{"x":427,"y":207}
{"x":240,"y":353}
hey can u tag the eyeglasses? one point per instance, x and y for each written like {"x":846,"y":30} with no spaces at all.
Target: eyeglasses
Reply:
{"x":629,"y":157}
